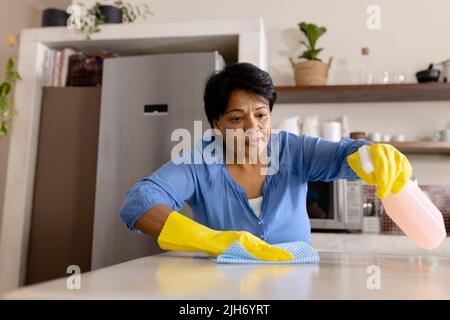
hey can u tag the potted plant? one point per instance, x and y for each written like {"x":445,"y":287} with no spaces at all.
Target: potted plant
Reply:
{"x":311,"y":71}
{"x":117,"y":12}
{"x":6,"y":87}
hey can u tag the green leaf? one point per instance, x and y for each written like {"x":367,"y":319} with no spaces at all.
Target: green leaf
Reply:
{"x":3,"y":104}
{"x":5,"y":88}
{"x":312,"y":32}
{"x":306,"y":55}
{"x":311,"y":54}
{"x":3,"y":128}
{"x":10,"y":64}
{"x":13,"y":76}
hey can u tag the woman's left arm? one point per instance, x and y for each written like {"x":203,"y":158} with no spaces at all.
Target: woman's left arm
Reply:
{"x":324,"y":160}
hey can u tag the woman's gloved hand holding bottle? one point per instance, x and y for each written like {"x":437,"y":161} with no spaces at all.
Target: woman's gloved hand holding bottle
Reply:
{"x":385,"y":167}
{"x":391,"y":169}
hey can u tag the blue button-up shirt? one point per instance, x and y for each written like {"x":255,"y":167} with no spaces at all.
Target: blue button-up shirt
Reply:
{"x":218,"y":202}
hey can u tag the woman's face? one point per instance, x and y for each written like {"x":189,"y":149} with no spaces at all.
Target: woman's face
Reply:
{"x":247,"y":114}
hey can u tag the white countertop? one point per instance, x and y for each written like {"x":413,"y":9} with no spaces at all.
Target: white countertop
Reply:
{"x":177,"y":275}
{"x":365,"y":243}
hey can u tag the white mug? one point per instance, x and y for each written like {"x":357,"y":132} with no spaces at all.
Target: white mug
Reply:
{"x":332,"y":131}
{"x":386,"y":138}
{"x":310,"y":126}
{"x":399,"y":138}
{"x":290,"y":125}
{"x":375,"y":136}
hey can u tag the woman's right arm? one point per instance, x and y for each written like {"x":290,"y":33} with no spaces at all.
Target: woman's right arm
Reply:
{"x":150,"y":201}
{"x":152,"y":221}
{"x":149,"y":206}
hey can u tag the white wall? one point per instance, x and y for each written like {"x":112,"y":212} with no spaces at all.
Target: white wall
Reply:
{"x":412,"y":34}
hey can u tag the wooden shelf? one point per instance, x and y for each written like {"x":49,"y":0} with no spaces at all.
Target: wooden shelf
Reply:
{"x":438,"y":91}
{"x":423,"y":147}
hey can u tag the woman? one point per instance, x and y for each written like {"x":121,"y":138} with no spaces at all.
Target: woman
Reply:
{"x":232,"y":200}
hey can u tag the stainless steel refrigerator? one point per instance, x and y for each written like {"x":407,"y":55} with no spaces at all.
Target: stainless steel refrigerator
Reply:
{"x":144,"y":98}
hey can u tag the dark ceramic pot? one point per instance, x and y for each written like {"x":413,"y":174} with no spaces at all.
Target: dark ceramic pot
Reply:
{"x":111,"y":14}
{"x":54,"y":18}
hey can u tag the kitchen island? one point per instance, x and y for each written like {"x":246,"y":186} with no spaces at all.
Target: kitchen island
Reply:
{"x":180,"y":275}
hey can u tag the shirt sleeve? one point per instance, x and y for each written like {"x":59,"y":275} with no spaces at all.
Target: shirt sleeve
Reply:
{"x":171,"y":185}
{"x":324,"y":160}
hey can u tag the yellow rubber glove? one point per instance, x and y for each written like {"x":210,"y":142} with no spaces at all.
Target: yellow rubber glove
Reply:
{"x":391,"y":169}
{"x":184,"y":234}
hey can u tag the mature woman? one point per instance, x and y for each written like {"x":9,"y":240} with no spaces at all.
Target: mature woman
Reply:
{"x":244,"y":200}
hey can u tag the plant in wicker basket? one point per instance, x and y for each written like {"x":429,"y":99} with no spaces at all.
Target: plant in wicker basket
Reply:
{"x":311,"y":71}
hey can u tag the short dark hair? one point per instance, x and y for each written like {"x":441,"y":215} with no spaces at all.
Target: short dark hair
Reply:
{"x":245,"y":76}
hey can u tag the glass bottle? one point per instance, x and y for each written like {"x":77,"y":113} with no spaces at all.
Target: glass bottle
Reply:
{"x":365,"y":67}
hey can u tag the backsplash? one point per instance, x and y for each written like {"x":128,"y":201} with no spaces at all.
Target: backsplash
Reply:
{"x":439,"y":195}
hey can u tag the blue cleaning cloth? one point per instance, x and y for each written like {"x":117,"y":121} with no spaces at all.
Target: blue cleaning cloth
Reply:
{"x":236,"y":253}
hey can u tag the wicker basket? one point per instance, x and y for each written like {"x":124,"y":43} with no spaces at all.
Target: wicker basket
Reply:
{"x":310,"y":72}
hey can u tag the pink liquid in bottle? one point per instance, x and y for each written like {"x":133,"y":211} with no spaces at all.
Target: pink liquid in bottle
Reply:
{"x":412,"y":211}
